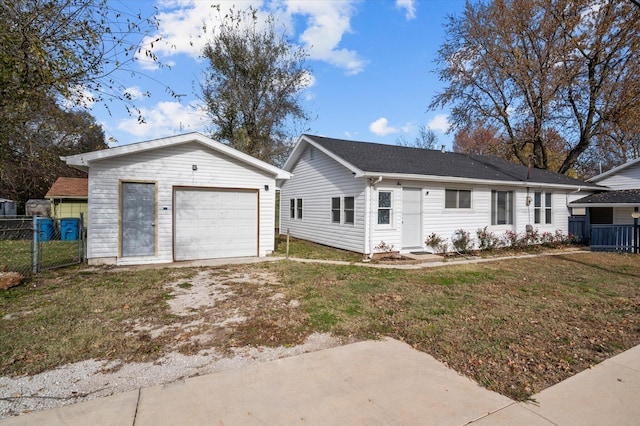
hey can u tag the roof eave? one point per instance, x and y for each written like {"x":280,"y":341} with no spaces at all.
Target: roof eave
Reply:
{"x":574,"y":204}
{"x":295,"y":155}
{"x":83,"y":161}
{"x":454,"y":179}
{"x":613,"y":171}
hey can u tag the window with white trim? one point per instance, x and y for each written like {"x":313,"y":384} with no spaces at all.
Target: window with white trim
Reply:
{"x":299,"y":208}
{"x":501,"y":207}
{"x":292,"y":208}
{"x":349,"y":210}
{"x":457,"y":198}
{"x":384,"y":207}
{"x":335,"y":210}
{"x":542,"y":213}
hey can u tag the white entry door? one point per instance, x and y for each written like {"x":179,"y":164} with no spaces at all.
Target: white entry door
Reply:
{"x":215,"y":223}
{"x":411,"y":218}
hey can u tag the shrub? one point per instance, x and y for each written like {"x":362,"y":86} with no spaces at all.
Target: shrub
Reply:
{"x":487,"y":240}
{"x":511,"y":238}
{"x":384,"y":247}
{"x":462,"y":241}
{"x":530,"y":238}
{"x":436,"y":242}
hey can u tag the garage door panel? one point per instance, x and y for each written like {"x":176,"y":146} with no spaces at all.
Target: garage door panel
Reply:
{"x":215,"y":223}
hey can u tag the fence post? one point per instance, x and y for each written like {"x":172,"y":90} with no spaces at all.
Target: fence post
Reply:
{"x":636,"y":231}
{"x":82,"y":248}
{"x":34,"y":245}
{"x":287,"y":244}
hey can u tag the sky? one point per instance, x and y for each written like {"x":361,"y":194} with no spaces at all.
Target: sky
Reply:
{"x":372,"y":64}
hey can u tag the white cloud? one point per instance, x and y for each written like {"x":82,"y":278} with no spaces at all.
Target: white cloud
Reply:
{"x":166,"y":118}
{"x":79,"y":96}
{"x":134,"y":92}
{"x":327,"y":22}
{"x":440,"y":123}
{"x":409,"y":6}
{"x":381,"y":127}
{"x":182,"y":23}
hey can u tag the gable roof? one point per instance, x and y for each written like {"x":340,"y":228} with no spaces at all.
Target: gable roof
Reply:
{"x":392,"y":161}
{"x":615,"y":170}
{"x":83,"y":161}
{"x":69,"y":188}
{"x":619,"y":198}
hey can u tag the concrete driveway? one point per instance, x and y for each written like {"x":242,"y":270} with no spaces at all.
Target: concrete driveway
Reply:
{"x":367,"y":383}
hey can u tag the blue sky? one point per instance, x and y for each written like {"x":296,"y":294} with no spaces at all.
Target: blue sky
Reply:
{"x":372,"y":67}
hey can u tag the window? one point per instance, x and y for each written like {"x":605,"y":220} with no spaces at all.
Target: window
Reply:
{"x":335,"y":210}
{"x":457,"y":199}
{"x":292,"y":208}
{"x":542,"y":211}
{"x":384,"y":207}
{"x":349,"y":208}
{"x":502,"y":207}
{"x":547,"y":207}
{"x":299,"y":208}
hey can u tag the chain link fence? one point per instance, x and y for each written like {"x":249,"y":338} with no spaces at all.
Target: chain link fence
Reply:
{"x":30,"y":244}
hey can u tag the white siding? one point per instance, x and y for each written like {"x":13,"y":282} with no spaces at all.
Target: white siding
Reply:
{"x":316,"y":179}
{"x":168,"y":167}
{"x":319,"y":178}
{"x":628,"y":178}
{"x":622,"y":216}
{"x":444,"y":222}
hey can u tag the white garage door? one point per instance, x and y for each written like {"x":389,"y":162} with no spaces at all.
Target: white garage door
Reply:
{"x":216,"y":223}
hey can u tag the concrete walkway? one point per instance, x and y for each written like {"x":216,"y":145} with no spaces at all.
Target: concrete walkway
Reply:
{"x":366,"y":383}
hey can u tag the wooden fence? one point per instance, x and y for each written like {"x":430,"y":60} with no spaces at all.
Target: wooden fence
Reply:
{"x":614,"y":238}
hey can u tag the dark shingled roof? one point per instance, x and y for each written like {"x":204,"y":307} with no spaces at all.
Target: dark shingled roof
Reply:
{"x":622,"y":196}
{"x":380,"y":158}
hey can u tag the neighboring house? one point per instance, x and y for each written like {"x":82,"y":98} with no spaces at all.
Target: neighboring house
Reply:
{"x":184,"y":197}
{"x":354,"y":195}
{"x":7,"y":207}
{"x":68,"y":197}
{"x":619,"y":206}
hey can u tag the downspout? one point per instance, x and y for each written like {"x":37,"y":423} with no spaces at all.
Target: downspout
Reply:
{"x":372,"y":184}
{"x":569,"y":193}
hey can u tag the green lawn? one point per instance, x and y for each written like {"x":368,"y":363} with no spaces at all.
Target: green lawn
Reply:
{"x":515,"y":326}
{"x":16,"y":254}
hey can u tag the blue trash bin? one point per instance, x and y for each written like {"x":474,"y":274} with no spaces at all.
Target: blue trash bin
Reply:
{"x":44,"y":228}
{"x":69,"y":229}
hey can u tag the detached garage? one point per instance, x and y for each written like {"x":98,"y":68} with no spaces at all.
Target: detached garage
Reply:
{"x":185,"y":197}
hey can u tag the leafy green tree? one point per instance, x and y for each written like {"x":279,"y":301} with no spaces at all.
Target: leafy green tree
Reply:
{"x":252,"y":86}
{"x":31,"y":162}
{"x":567,"y":66}
{"x":56,"y":56}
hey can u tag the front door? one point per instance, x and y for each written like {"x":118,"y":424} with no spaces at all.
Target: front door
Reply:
{"x":411,"y":218}
{"x":138,"y":232}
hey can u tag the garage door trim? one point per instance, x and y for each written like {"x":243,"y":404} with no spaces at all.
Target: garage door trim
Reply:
{"x":215,"y":189}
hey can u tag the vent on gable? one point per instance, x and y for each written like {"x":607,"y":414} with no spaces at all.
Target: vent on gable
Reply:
{"x":311,"y":152}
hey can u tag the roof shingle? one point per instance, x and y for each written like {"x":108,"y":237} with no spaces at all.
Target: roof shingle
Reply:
{"x":69,"y":187}
{"x":380,"y":158}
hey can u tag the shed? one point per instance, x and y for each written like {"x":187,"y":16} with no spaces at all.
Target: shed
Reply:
{"x":7,"y":207}
{"x":184,"y":197}
{"x":68,"y":197}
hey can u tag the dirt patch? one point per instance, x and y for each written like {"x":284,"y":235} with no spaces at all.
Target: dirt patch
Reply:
{"x":91,"y":379}
{"x":218,"y":319}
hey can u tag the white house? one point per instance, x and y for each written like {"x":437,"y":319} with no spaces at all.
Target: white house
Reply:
{"x":178,"y":198}
{"x":355,"y":195}
{"x":615,"y":205}
{"x":608,"y":220}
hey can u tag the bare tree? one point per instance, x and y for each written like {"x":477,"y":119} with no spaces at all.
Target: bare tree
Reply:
{"x":571,"y":66}
{"x":252,"y":86}
{"x":426,"y":139}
